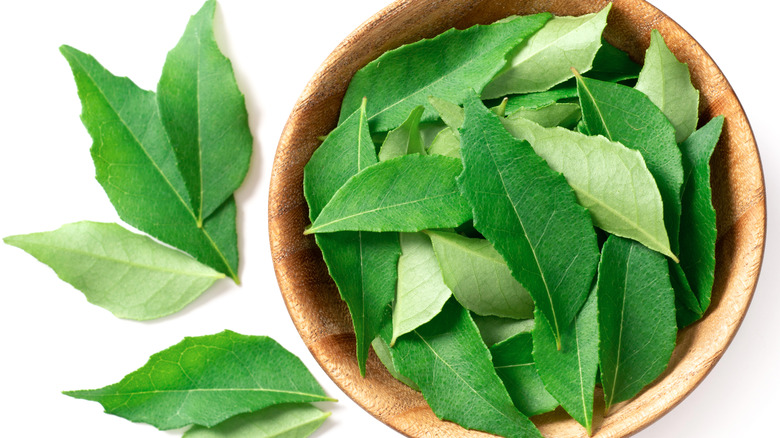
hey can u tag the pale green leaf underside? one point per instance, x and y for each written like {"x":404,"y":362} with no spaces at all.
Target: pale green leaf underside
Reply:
{"x":479,"y":277}
{"x":667,"y":82}
{"x":565,"y":115}
{"x":446,"y":143}
{"x":495,"y":329}
{"x":385,"y":355}
{"x":204,"y":115}
{"x":547,"y":57}
{"x":136,"y":165}
{"x":207,"y":379}
{"x":128,"y":274}
{"x":405,"y":139}
{"x":409,"y":193}
{"x":610,"y":180}
{"x":421,"y":291}
{"x":284,"y":421}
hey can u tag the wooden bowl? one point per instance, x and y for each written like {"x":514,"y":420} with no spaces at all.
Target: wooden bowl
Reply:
{"x":322,"y":318}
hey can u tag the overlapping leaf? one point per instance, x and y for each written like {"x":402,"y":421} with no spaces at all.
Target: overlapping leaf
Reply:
{"x":530,"y":215}
{"x":286,"y":421}
{"x":205,"y":116}
{"x":137,"y":167}
{"x":129,"y":274}
{"x":405,"y":139}
{"x":495,"y":329}
{"x":206,"y":380}
{"x":464,"y":59}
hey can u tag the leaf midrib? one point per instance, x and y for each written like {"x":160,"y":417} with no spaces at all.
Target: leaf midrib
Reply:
{"x":198,"y":390}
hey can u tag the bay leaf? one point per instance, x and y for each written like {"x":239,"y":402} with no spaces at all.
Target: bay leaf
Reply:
{"x":514,"y":363}
{"x":569,"y":372}
{"x":697,"y":223}
{"x":205,"y":116}
{"x":421,"y":292}
{"x":363,"y":265}
{"x":128,"y":274}
{"x":446,"y":143}
{"x":627,"y":116}
{"x":408,"y":194}
{"x":479,"y":277}
{"x":565,"y":115}
{"x":284,"y":421}
{"x":464,"y":59}
{"x":667,"y":82}
{"x":205,"y":380}
{"x":609,"y":179}
{"x":530,"y":215}
{"x":547,"y":57}
{"x":137,"y":167}
{"x":636,"y":318}
{"x":405,"y":139}
{"x":447,"y":360}
{"x":495,"y":329}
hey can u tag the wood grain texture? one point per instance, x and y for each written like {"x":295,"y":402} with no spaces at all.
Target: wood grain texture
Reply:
{"x":322,"y":318}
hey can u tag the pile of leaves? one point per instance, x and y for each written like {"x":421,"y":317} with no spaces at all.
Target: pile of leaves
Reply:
{"x":515,"y":213}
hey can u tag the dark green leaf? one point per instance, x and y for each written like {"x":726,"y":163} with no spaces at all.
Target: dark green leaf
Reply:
{"x":613,"y":65}
{"x":637,"y":323}
{"x":129,"y":274}
{"x":283,"y":421}
{"x":207,"y":379}
{"x":385,"y":355}
{"x":409,"y":193}
{"x":137,"y":167}
{"x":363,"y":265}
{"x":403,"y":78}
{"x":569,"y":373}
{"x":530,"y":215}
{"x":448,"y":361}
{"x":627,"y":116}
{"x":514,"y":363}
{"x":205,"y":116}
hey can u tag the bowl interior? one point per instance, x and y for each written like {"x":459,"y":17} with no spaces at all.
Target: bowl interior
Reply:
{"x":322,"y":318}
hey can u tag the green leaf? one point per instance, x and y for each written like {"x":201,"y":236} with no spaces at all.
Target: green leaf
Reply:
{"x":408,"y":194}
{"x":421,"y":291}
{"x":385,"y":355}
{"x":137,"y":167}
{"x":548,"y":56}
{"x":363,"y":265}
{"x":495,"y":329}
{"x":627,"y":116}
{"x":514,"y":363}
{"x":636,"y":318}
{"x":479,"y":277}
{"x":613,"y":65}
{"x":450,"y":113}
{"x":686,"y":303}
{"x":697,"y":224}
{"x":204,"y":113}
{"x":540,"y":99}
{"x":530,"y":215}
{"x":285,"y":421}
{"x":449,"y":363}
{"x":405,"y":139}
{"x":207,"y":379}
{"x":565,"y":115}
{"x":403,"y":78}
{"x":609,"y":179}
{"x":446,"y":143}
{"x":569,"y":373}
{"x":667,"y":82}
{"x":128,"y":274}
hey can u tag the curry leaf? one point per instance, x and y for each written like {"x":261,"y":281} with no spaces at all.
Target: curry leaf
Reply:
{"x":627,"y":116}
{"x":479,"y":277}
{"x":447,"y":360}
{"x":569,"y":373}
{"x":205,"y":116}
{"x":447,"y":143}
{"x":613,"y":65}
{"x":667,"y":82}
{"x":207,"y":379}
{"x":565,"y":115}
{"x":363,"y":265}
{"x":137,"y":167}
{"x":465,"y":59}
{"x":610,"y":180}
{"x":495,"y":329}
{"x":636,"y":318}
{"x":408,"y":193}
{"x":421,"y":292}
{"x":514,"y":363}
{"x":128,"y":274}
{"x":540,"y":99}
{"x":548,"y":56}
{"x":530,"y":215}
{"x":405,"y":139}
{"x":697,"y":224}
{"x":385,"y":355}
{"x":285,"y":421}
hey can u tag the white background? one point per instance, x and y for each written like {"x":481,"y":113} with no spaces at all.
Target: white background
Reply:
{"x":53,"y":340}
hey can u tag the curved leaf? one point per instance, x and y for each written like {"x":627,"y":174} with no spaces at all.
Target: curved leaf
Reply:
{"x":405,"y":139}
{"x":285,"y":421}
